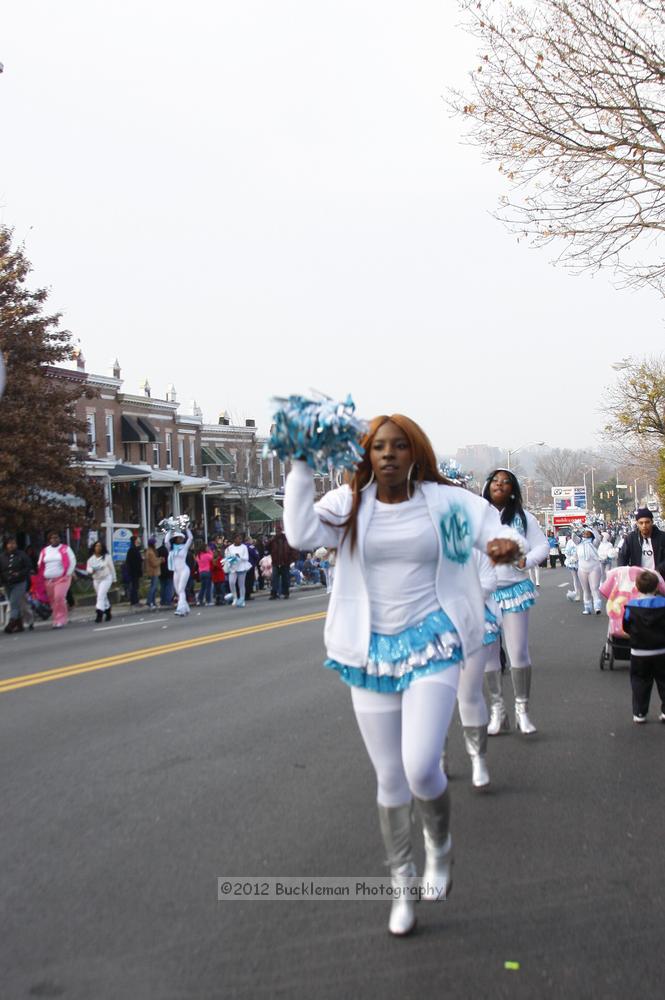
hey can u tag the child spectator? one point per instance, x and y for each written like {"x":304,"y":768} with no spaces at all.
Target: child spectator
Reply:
{"x":644,"y":622}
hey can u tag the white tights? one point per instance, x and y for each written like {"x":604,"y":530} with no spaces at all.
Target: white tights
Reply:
{"x":180,"y":581}
{"x":403,"y":734}
{"x":590,"y":580}
{"x":238,"y":578}
{"x":470,"y":698}
{"x":102,"y":588}
{"x":515,"y":629}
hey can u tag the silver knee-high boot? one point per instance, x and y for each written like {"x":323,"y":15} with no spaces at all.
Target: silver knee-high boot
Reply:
{"x":498,"y":716}
{"x":475,"y":740}
{"x":395,"y":823}
{"x":437,"y":878}
{"x":521,"y":677}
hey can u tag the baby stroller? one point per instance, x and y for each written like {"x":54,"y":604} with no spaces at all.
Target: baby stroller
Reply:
{"x":619,"y":588}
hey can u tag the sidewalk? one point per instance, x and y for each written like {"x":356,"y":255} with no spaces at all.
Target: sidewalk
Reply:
{"x":124,"y":608}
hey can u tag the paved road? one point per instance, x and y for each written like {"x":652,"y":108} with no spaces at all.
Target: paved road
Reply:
{"x":127,"y":790}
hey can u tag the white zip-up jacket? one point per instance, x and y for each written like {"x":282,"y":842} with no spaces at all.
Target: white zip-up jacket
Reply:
{"x":537,"y":551}
{"x":463,"y":521}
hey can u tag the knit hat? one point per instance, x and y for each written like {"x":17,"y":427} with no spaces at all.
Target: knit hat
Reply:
{"x":643,"y":512}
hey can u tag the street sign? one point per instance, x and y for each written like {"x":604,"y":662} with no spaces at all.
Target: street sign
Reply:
{"x":622,"y":486}
{"x":122,"y":541}
{"x":563,"y":492}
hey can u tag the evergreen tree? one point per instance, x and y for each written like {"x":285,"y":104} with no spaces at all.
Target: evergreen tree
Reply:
{"x":38,"y":467}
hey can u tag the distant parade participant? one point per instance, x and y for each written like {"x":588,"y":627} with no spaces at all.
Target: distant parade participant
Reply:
{"x":589,"y":572}
{"x":470,"y":698}
{"x":178,"y":544}
{"x":515,"y":594}
{"x":406,"y":607}
{"x":101,"y":568}
{"x":606,"y":553}
{"x":570,"y":553}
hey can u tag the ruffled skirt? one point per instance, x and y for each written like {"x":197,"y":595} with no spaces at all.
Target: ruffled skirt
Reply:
{"x":394,"y":661}
{"x":516,"y":596}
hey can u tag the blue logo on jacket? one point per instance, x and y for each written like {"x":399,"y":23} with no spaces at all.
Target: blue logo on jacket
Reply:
{"x":456,"y":535}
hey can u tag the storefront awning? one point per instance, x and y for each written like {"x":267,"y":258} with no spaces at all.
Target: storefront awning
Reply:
{"x":192,"y":484}
{"x":215,"y":455}
{"x":265,"y":509}
{"x":149,"y":428}
{"x":131,"y":430}
{"x":165,"y":477}
{"x":127,"y":473}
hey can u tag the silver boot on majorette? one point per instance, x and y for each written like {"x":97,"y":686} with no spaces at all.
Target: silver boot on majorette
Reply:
{"x":395,"y":822}
{"x":475,"y":740}
{"x":437,"y":878}
{"x":498,"y":716}
{"x":521,"y":677}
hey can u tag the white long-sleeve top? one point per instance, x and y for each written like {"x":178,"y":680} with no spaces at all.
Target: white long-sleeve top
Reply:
{"x":462,"y":522}
{"x":101,"y":567}
{"x":537,"y":550}
{"x":587,"y":554}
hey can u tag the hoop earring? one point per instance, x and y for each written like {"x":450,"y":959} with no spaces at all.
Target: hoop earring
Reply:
{"x":368,"y":483}
{"x":409,"y":484}
{"x":338,"y":479}
{"x":512,"y":496}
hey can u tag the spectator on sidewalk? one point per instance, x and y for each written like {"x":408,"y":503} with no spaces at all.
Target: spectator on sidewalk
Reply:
{"x":134,"y":563}
{"x":153,"y":570}
{"x":165,"y":578}
{"x":282,"y":556}
{"x":203,"y":557}
{"x":15,"y":571}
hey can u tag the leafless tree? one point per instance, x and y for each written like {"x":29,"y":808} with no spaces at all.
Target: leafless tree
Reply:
{"x":567,"y":97}
{"x":562,"y":467}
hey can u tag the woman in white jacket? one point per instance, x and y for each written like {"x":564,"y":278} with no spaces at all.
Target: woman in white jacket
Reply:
{"x":515,"y":594}
{"x":101,"y":568}
{"x":407,"y":606}
{"x":589,"y":572}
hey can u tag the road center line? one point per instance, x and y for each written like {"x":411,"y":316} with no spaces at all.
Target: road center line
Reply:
{"x":58,"y":673}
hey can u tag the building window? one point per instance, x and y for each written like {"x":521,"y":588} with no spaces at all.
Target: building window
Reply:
{"x":142,"y":452}
{"x":281,"y":474}
{"x":259,"y":468}
{"x":181,"y":455}
{"x":169,"y":450}
{"x":192,"y":457}
{"x":155,"y":453}
{"x":110,"y":443}
{"x":92,"y":433}
{"x":271,"y":468}
{"x":126,"y":452}
{"x":234,"y":456}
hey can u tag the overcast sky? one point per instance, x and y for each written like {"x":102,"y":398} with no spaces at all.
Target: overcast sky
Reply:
{"x":259,"y":197}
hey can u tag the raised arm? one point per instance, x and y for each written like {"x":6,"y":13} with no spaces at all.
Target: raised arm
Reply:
{"x":306,"y":524}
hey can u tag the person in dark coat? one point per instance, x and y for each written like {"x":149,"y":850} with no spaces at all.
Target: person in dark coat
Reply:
{"x":282,"y":556}
{"x":15,"y":571}
{"x":645,"y":545}
{"x":134,"y":562}
{"x":644,"y":622}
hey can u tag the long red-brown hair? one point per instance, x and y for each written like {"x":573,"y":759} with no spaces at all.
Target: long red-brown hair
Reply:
{"x":425,"y":468}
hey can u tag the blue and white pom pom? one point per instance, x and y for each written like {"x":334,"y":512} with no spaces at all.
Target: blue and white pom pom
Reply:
{"x":324,"y":433}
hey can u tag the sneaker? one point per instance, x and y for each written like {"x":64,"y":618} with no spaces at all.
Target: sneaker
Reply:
{"x":642,"y":718}
{"x":585,"y":612}
{"x":661,"y":717}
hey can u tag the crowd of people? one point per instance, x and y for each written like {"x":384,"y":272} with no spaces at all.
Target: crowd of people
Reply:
{"x":187,"y":572}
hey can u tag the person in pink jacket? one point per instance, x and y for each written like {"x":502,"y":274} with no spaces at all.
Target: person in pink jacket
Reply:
{"x":56,"y":565}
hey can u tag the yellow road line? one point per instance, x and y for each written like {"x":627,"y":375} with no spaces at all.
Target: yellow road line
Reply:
{"x":58,"y":673}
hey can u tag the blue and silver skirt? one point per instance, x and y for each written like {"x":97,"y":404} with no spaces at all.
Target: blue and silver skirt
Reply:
{"x":516,"y":596}
{"x":394,"y":661}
